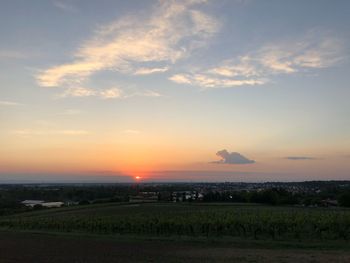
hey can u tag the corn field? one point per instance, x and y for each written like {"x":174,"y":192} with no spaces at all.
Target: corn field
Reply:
{"x":283,"y":223}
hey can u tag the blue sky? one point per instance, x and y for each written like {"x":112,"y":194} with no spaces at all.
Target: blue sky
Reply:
{"x":141,"y":87}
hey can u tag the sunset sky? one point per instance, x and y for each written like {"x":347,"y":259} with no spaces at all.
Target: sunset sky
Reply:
{"x":191,"y":90}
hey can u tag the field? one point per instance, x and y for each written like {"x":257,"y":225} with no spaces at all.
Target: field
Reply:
{"x":189,"y":232}
{"x":197,"y":220}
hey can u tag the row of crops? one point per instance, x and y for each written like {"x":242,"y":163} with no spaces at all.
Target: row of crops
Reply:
{"x":257,"y":223}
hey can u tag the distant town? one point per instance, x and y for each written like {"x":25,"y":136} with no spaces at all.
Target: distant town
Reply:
{"x":19,"y":198}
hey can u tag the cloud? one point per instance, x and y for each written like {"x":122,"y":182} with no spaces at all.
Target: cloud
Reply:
{"x":291,"y":57}
{"x":298,"y":158}
{"x":78,"y":92}
{"x":63,"y":5}
{"x":30,"y":132}
{"x":146,"y":93}
{"x":9,"y":103}
{"x":207,"y":81}
{"x":259,"y":67}
{"x":109,"y":93}
{"x":172,"y":31}
{"x":147,"y":71}
{"x":232,"y":158}
{"x":181,"y":78}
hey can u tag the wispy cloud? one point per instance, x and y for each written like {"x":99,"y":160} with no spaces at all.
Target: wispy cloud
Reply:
{"x":78,"y":92}
{"x":111,"y":93}
{"x":65,"y":6}
{"x":108,"y":93}
{"x":147,"y":71}
{"x":259,"y":67}
{"x":146,"y":93}
{"x":298,"y":56}
{"x":208,"y":81}
{"x":170,"y":33}
{"x":30,"y":132}
{"x":9,"y":103}
{"x":298,"y":158}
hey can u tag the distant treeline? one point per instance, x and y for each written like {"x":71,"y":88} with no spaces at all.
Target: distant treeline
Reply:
{"x":278,"y":196}
{"x":11,"y":196}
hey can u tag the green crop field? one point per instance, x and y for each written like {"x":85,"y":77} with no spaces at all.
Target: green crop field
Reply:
{"x":190,"y":220}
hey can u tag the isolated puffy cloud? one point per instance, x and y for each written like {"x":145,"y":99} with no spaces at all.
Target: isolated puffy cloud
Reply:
{"x":298,"y":158}
{"x":232,"y":158}
{"x":171,"y":32}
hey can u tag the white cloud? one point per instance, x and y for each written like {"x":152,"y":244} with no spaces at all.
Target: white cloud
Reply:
{"x":9,"y":103}
{"x":172,"y":31}
{"x":147,"y":71}
{"x":30,"y":132}
{"x":290,"y":57}
{"x":147,"y":93}
{"x":79,"y":92}
{"x":258,"y":67}
{"x":111,"y":93}
{"x":181,"y":78}
{"x":300,"y":158}
{"x":65,"y":6}
{"x":203,"y":23}
{"x":209,"y":81}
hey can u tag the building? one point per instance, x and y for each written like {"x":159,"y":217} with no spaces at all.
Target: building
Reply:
{"x":52,"y":204}
{"x":32,"y":203}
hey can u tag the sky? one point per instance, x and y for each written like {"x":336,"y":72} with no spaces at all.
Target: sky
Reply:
{"x":187,"y":90}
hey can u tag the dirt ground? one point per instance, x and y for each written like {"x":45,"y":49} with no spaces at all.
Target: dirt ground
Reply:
{"x":38,"y":248}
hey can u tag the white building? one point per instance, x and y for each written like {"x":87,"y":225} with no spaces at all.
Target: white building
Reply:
{"x":32,"y":203}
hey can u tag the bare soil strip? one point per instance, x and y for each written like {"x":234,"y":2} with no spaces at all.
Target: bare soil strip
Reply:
{"x":39,"y":248}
